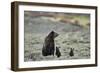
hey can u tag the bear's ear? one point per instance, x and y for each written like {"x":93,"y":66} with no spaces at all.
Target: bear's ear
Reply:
{"x":51,"y":33}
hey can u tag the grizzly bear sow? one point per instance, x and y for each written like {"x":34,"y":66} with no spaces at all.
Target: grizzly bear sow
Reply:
{"x":49,"y":45}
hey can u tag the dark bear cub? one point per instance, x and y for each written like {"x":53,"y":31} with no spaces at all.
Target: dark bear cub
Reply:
{"x":58,"y":53}
{"x":71,"y":52}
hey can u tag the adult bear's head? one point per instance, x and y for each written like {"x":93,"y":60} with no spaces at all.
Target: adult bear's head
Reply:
{"x":52,"y":34}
